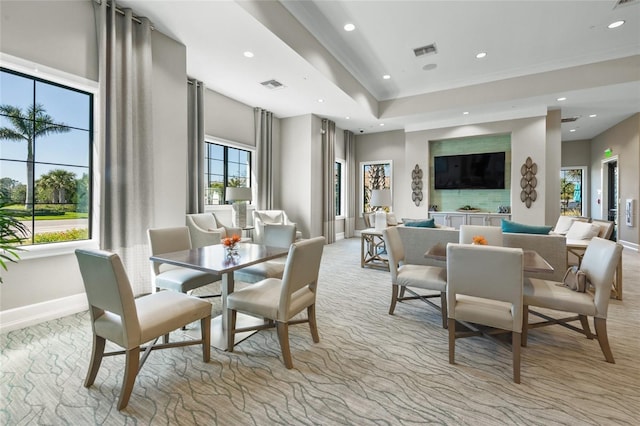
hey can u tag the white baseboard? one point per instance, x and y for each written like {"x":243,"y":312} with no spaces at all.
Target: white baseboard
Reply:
{"x":629,"y":245}
{"x":340,"y":236}
{"x":25,"y":316}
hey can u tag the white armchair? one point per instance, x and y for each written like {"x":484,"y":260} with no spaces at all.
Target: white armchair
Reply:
{"x":272,"y":217}
{"x":206,"y":229}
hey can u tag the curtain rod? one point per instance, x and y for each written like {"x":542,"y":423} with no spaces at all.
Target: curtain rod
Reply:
{"x":121,"y":12}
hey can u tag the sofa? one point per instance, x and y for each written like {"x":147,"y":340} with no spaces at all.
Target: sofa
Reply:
{"x":552,"y":248}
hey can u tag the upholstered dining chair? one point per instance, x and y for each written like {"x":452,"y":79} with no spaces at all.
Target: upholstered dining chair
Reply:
{"x":128,"y":322}
{"x":599,"y":263}
{"x":279,"y":300}
{"x":169,"y":277}
{"x":272,"y":217}
{"x":281,"y":236}
{"x":406,"y":277}
{"x":484,"y":286}
{"x":493,"y":234}
{"x":205,"y":229}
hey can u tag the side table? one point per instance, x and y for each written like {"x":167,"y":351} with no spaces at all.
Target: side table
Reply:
{"x":374,"y":255}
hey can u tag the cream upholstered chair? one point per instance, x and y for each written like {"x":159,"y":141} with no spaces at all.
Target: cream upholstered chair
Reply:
{"x":484,"y":286}
{"x":281,"y":236}
{"x":118,"y":317}
{"x":273,"y":217}
{"x":406,"y":276}
{"x":169,"y":277}
{"x":600,"y":260}
{"x":280,"y":300}
{"x":493,"y":234}
{"x":206,"y":230}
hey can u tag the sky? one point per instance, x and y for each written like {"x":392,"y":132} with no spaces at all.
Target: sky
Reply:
{"x":69,"y":151}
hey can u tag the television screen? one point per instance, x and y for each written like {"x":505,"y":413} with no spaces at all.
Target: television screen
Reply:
{"x":470,"y":171}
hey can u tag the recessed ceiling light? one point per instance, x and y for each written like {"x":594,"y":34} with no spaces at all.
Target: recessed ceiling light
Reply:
{"x":481,"y":55}
{"x":615,"y":24}
{"x":561,"y":99}
{"x":430,"y":67}
{"x":593,"y":115}
{"x":386,"y":76}
{"x":349,"y":27}
{"x":572,"y":130}
{"x":347,"y":118}
{"x":465,"y":113}
{"x":320,"y":100}
{"x":381,"y":124}
{"x":248,"y":54}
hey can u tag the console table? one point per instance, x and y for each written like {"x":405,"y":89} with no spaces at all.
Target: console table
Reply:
{"x":457,"y":218}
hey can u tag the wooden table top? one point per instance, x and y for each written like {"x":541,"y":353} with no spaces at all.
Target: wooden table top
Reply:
{"x":532,"y":261}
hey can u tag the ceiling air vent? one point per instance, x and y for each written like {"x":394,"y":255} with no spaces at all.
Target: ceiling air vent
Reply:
{"x":429,"y":49}
{"x":569,"y":119}
{"x":272,"y":84}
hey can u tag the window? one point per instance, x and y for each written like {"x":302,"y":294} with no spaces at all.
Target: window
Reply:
{"x":225,"y":166}
{"x":46,"y":142}
{"x":373,"y":175}
{"x":572,"y":191}
{"x":339,"y":183}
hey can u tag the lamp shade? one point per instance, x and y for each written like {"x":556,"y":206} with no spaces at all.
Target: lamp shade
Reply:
{"x":238,"y":194}
{"x":380,"y":198}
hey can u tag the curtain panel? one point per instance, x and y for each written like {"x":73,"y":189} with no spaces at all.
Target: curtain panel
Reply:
{"x":126,"y":151}
{"x":350,"y":187}
{"x":263,"y":121}
{"x":329,"y":180}
{"x":196,"y":147}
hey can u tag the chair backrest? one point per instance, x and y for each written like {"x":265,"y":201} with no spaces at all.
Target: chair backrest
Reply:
{"x":487,"y":272}
{"x":606,"y":228}
{"x":167,"y":240}
{"x":395,"y":250}
{"x":301,"y":270}
{"x":270,"y":216}
{"x":108,"y":289}
{"x":279,"y":235}
{"x":599,"y":263}
{"x":204,"y":229}
{"x":204,"y":221}
{"x":493,"y":234}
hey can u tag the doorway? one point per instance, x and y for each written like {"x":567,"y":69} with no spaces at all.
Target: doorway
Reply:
{"x":610,"y":199}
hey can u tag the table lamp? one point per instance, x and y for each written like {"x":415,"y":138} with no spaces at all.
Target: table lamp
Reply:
{"x":380,"y":198}
{"x":239,"y":196}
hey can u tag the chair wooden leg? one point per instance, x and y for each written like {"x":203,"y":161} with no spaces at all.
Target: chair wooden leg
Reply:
{"x":165,"y":338}
{"x":525,"y":324}
{"x":516,"y":341}
{"x":452,"y":340}
{"x":205,"y":326}
{"x":600,"y":325}
{"x":231,"y":336}
{"x":96,"y":359}
{"x":443,"y":308}
{"x":130,"y":373}
{"x":313,"y":326}
{"x":394,"y":298}
{"x":585,"y":326}
{"x":283,"y":337}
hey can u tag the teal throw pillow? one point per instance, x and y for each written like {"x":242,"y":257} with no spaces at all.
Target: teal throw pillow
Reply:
{"x":426,"y":223}
{"x":521,"y":228}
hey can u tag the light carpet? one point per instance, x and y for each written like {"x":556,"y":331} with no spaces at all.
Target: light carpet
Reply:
{"x":369,"y":368}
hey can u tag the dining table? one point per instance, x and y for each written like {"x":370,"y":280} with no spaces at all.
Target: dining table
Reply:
{"x":215,"y":259}
{"x":532,"y":261}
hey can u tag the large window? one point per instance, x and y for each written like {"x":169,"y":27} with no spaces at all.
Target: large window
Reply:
{"x":572,"y":191}
{"x":46,"y":132}
{"x":225,"y":166}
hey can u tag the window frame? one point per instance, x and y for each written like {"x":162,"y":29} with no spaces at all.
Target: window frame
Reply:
{"x":342,"y":185}
{"x":51,"y":75}
{"x":585,"y":186}
{"x":226,"y":144}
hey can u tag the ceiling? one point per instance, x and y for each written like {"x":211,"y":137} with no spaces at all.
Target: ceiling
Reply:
{"x":537,"y":52}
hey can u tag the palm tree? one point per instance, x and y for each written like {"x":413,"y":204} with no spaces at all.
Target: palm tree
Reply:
{"x":28,"y":126}
{"x":58,"y":184}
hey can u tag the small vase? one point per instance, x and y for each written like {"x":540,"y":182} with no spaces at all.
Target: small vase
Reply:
{"x":232,"y":251}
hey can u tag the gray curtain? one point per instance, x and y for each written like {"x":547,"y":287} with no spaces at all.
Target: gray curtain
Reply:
{"x":264,"y":166}
{"x":329,"y":180}
{"x":196,"y":146}
{"x":351,"y":214}
{"x":126,"y":141}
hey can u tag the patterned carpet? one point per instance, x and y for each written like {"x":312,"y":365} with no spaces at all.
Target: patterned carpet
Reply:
{"x":369,"y":368}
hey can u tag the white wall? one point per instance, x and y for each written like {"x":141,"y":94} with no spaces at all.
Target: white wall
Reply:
{"x":553,"y":158}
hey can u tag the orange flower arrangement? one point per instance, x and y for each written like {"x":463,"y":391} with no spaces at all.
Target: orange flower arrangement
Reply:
{"x":230,"y":242}
{"x":479,"y":240}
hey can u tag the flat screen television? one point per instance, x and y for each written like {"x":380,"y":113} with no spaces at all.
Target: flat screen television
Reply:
{"x":470,"y":171}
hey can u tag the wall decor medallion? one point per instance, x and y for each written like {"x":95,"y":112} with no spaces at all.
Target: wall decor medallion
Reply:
{"x":416,"y":185}
{"x":528,"y":182}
